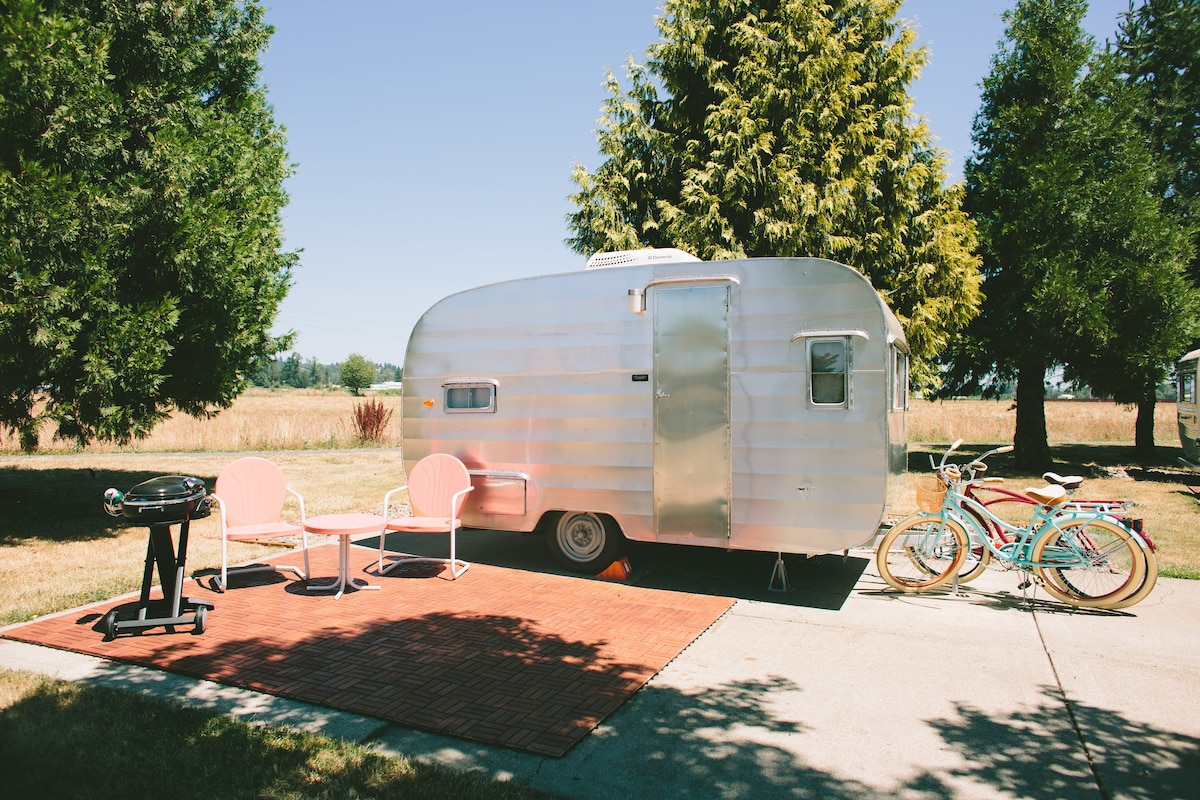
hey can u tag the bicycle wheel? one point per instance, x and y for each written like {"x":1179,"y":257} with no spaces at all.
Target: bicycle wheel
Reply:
{"x":977,"y":556}
{"x":1101,"y":563}
{"x":921,"y":553}
{"x":1139,"y":594}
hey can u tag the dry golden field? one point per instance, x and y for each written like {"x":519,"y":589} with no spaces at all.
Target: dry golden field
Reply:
{"x":1067,"y":422}
{"x":261,"y":419}
{"x":59,"y":550}
{"x":265,"y":419}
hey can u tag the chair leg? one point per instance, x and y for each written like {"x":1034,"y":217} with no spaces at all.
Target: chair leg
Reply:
{"x":307,"y":569}
{"x":220,"y":583}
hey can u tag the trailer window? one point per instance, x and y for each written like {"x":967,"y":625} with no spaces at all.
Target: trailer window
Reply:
{"x":827,"y":365}
{"x":1187,"y":387}
{"x":478,"y":397}
{"x":899,"y":379}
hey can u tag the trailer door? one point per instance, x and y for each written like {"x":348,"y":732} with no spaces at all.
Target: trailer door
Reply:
{"x":692,"y":446}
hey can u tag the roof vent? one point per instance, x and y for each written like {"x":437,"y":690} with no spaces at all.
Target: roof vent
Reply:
{"x":629,"y":258}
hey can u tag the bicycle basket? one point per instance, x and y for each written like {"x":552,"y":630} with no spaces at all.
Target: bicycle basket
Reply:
{"x":930,"y":492}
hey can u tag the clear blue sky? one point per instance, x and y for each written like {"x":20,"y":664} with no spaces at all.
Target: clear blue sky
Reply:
{"x":434,"y":142}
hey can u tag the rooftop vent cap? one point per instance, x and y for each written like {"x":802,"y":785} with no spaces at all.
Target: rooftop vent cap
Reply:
{"x":629,"y":258}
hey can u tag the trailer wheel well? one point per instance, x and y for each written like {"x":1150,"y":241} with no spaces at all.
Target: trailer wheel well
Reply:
{"x":582,"y":541}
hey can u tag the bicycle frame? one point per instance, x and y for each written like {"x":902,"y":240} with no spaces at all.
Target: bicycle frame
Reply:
{"x":1017,"y":552}
{"x":1114,"y":510}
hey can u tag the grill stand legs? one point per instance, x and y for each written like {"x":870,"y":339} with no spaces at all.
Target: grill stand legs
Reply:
{"x":172,"y":610}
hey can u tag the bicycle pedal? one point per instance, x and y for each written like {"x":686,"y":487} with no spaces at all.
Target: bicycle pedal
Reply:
{"x":1025,"y":584}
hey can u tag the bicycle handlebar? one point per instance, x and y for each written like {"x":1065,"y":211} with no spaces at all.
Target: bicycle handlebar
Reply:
{"x":953,"y":472}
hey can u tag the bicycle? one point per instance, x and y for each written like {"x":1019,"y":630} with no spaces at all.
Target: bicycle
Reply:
{"x":1082,"y":555}
{"x":978,"y":558}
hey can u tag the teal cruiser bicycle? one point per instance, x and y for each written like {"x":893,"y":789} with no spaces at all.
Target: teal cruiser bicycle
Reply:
{"x":1084,"y":554}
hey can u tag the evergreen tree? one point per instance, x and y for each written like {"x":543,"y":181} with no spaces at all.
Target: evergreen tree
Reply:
{"x":1159,"y":46}
{"x":784,"y":129}
{"x":1081,"y":267}
{"x":1141,"y":310}
{"x":141,"y":183}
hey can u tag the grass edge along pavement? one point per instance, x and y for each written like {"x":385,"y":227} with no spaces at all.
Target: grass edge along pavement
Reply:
{"x":64,"y":739}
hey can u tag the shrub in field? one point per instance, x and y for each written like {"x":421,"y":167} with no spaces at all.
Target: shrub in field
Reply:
{"x":371,"y":420}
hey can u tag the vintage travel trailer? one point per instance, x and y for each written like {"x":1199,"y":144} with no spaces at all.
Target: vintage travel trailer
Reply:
{"x":1187,"y":412}
{"x":756,"y":404}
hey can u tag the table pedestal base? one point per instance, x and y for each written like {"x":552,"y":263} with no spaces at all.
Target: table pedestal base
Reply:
{"x":343,"y":581}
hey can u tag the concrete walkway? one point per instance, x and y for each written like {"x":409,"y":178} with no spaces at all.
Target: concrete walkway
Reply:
{"x":840,"y":690}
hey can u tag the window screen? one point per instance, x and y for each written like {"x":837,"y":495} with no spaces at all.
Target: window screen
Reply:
{"x":477,"y":397}
{"x":828,"y":371}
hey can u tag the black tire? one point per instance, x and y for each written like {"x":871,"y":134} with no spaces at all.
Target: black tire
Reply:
{"x":585,"y":542}
{"x":201,"y":620}
{"x":110,"y":625}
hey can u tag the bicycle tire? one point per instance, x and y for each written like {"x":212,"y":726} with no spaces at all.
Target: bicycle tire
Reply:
{"x":921,"y":553}
{"x":1115,"y":569}
{"x":1142,"y":592}
{"x":977,"y":556}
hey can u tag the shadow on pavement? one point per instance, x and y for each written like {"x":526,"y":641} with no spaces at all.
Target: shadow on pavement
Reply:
{"x":816,"y":582}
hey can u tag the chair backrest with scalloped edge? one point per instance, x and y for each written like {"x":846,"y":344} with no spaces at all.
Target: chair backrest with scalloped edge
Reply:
{"x":253,"y":490}
{"x":432,"y":484}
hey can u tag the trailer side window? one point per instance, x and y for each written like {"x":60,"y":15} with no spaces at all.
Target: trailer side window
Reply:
{"x":1187,"y":387}
{"x":463,"y":397}
{"x":827,"y":366}
{"x":899,"y":379}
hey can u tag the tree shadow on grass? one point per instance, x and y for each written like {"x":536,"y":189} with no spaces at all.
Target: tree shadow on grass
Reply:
{"x":64,"y":505}
{"x":77,"y":741}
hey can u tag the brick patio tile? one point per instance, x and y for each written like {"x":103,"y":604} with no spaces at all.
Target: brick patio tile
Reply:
{"x":524,"y":660}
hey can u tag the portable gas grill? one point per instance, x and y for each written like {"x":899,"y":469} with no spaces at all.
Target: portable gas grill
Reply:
{"x":160,"y":503}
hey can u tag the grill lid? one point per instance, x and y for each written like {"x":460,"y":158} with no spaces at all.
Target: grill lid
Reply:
{"x":167,"y":498}
{"x":166,"y":487}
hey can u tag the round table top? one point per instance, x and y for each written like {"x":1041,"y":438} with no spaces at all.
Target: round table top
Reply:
{"x":344,"y":524}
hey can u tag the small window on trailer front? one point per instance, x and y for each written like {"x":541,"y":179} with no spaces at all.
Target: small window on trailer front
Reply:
{"x":829,"y":372}
{"x":469,"y":397}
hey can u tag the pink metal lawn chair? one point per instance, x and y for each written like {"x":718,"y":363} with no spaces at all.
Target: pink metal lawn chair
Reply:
{"x":437,"y":489}
{"x":250,"y":494}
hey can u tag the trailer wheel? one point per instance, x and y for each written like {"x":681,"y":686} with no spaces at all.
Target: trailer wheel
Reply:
{"x":585,"y":542}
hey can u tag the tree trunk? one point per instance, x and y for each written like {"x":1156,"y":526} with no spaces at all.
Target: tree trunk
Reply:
{"x":1032,"y":451}
{"x":1143,"y":430}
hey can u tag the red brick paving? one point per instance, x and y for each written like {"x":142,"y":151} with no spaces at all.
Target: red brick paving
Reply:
{"x":520,"y":659}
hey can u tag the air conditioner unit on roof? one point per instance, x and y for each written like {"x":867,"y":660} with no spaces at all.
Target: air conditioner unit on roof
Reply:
{"x":649,"y":255}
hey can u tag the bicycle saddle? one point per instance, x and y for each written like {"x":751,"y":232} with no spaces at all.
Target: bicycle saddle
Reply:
{"x":1053,"y":495}
{"x":1068,"y":482}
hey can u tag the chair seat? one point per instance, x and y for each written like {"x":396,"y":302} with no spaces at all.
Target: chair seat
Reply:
{"x":262,"y":530}
{"x":422,"y":524}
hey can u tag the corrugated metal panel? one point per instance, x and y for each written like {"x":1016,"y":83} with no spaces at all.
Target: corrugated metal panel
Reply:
{"x":565,"y":350}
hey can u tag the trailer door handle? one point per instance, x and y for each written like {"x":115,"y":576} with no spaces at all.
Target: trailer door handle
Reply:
{"x":660,"y":393}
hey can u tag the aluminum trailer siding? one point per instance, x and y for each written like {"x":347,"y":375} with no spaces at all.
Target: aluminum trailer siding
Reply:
{"x":755,"y":404}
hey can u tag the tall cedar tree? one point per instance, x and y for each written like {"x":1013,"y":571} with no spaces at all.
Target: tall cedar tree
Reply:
{"x":785,"y":129}
{"x":1141,"y":310}
{"x":1080,"y":267}
{"x":1159,"y":46}
{"x":141,"y":184}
